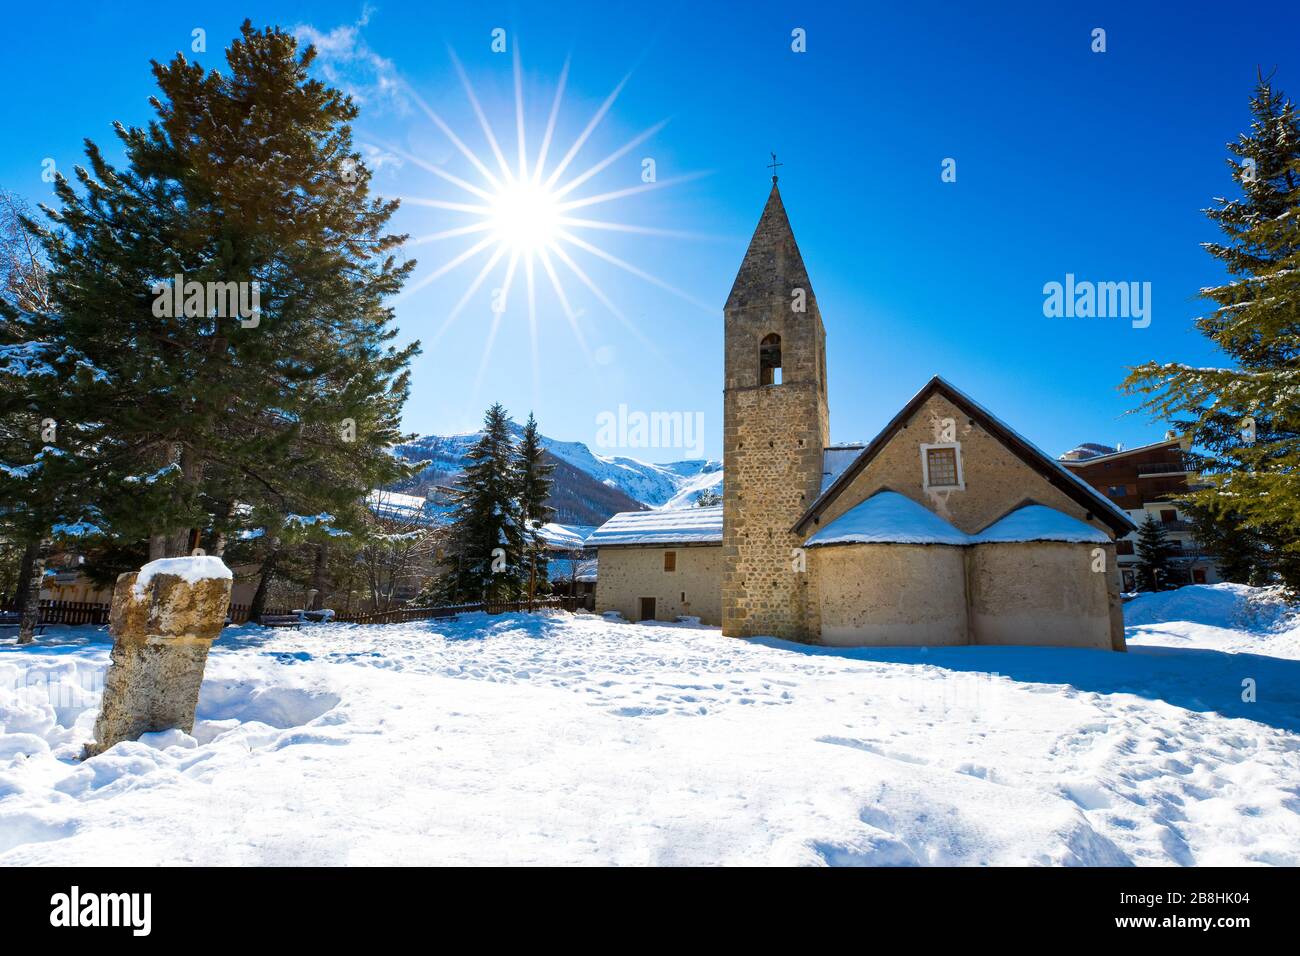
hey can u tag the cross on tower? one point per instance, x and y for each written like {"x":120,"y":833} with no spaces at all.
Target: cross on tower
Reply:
{"x":772,"y":166}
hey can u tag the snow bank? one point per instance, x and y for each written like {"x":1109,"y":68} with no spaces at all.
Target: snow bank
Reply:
{"x":1228,"y":617}
{"x":571,"y":739}
{"x":190,"y":569}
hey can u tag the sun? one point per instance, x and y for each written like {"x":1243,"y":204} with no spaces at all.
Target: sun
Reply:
{"x":525,"y":215}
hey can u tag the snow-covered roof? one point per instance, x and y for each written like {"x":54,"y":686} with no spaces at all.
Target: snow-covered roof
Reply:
{"x":888,"y":518}
{"x":1040,"y":523}
{"x":680,"y":526}
{"x":396,"y":506}
{"x":1055,"y":472}
{"x":1088,"y":449}
{"x":1117,"y":452}
{"x":835,"y":459}
{"x":565,"y":537}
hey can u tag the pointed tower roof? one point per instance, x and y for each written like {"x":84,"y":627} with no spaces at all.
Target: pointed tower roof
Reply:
{"x":772,"y":264}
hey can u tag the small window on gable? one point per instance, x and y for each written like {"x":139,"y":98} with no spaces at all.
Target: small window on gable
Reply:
{"x":941,"y":466}
{"x":769,"y":360}
{"x":670,"y":560}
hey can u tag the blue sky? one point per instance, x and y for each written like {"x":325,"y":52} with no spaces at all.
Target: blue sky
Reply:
{"x":1067,"y":161}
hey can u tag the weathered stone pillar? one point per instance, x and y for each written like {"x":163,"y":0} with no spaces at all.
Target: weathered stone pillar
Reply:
{"x":164,"y":618}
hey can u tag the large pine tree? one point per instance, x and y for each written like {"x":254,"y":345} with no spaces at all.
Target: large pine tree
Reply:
{"x":1245,"y":420}
{"x":210,"y":419}
{"x":486,"y":554}
{"x":534,"y":493}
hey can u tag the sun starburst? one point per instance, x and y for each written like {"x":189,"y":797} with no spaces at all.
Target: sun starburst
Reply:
{"x":517,"y":216}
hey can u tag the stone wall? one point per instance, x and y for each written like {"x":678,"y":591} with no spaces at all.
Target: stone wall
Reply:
{"x":891,"y":594}
{"x":628,"y":574}
{"x":1040,"y":592}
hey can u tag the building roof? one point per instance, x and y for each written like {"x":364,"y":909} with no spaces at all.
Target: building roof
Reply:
{"x":674,"y":526}
{"x":888,"y":518}
{"x":1112,"y":454}
{"x":1052,"y":470}
{"x":1039,"y":523}
{"x":835,"y":459}
{"x":1089,"y":449}
{"x":565,"y":537}
{"x":395,"y":506}
{"x":772,"y":263}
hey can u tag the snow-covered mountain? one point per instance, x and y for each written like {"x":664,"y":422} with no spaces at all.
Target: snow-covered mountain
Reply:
{"x":627,"y":482}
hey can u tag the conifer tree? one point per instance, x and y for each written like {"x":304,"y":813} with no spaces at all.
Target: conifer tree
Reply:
{"x":1153,"y":555}
{"x":485,"y":557}
{"x":1245,"y":420}
{"x":1239,"y":552}
{"x":171,"y":421}
{"x":534,"y":492}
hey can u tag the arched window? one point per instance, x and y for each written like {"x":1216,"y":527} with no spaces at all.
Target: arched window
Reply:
{"x":769,"y":360}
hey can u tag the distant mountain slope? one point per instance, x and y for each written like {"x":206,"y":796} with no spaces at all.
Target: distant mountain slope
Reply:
{"x":588,"y":487}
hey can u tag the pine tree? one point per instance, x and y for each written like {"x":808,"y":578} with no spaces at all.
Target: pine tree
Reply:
{"x":1239,"y":551}
{"x":1153,"y":556}
{"x":486,"y":554}
{"x":534,"y":492}
{"x":1245,"y":420}
{"x":215,"y":419}
{"x":708,"y":498}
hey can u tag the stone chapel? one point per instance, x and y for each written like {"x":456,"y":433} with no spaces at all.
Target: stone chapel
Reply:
{"x":947,"y":528}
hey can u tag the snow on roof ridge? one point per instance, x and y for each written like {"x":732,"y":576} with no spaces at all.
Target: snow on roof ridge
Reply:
{"x":888,"y":517}
{"x":1034,"y":522}
{"x":668,"y":526}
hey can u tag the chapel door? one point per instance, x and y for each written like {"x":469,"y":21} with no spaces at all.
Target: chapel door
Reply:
{"x":647,"y":609}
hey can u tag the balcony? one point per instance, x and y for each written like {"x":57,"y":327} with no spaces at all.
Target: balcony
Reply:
{"x":1171,"y":467}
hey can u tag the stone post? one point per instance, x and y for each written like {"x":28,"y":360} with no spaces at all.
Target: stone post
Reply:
{"x":164,"y":618}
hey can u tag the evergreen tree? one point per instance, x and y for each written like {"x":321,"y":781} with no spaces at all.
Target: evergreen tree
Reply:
{"x":485,"y":557}
{"x":1245,"y":420}
{"x":32,"y":465}
{"x":708,"y":498}
{"x":1153,"y":556}
{"x":218,"y":417}
{"x":534,"y":492}
{"x":1239,"y":552}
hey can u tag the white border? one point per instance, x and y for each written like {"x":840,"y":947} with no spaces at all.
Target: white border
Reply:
{"x":925,"y":467}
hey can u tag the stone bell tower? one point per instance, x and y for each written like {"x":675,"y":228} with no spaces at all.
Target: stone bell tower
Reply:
{"x":775,"y":425}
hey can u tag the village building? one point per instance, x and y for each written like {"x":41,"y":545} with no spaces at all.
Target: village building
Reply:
{"x":947,"y":528}
{"x":1149,"y":479}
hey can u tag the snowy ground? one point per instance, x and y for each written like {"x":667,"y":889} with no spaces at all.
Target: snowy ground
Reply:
{"x":570,"y":739}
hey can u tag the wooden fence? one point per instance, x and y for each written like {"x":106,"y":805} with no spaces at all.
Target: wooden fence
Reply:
{"x":403,"y":615}
{"x":68,"y":612}
{"x":88,"y":612}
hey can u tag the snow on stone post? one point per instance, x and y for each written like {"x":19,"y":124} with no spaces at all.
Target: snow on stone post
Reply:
{"x":164,"y":618}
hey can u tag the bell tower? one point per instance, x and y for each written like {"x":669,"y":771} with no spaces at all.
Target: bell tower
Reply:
{"x":775,"y":425}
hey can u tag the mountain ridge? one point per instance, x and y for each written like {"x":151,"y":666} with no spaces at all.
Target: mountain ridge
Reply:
{"x":589,"y":487}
